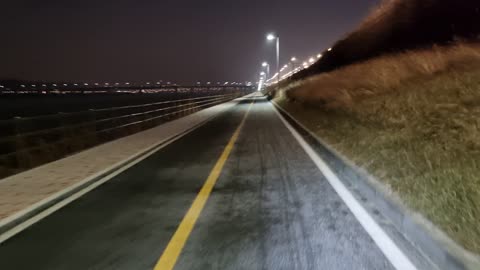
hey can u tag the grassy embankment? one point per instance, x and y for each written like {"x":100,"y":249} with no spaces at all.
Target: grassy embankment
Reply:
{"x":413,"y":121}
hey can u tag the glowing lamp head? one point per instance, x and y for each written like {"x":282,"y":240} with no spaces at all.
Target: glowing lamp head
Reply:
{"x":264,"y":64}
{"x":271,"y":37}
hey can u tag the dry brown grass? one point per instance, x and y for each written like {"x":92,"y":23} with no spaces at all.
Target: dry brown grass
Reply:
{"x":413,"y":121}
{"x":380,"y":75}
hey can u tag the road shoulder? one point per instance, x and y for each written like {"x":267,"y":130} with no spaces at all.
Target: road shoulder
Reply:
{"x":409,"y":229}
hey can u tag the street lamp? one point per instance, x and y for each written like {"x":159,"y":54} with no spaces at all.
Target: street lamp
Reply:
{"x":271,"y":37}
{"x":267,"y":66}
{"x":293,"y":60}
{"x":262,"y":81}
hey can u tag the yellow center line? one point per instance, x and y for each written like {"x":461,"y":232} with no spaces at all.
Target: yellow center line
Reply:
{"x":171,"y":253}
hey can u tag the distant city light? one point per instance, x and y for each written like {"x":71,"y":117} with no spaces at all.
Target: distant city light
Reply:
{"x":329,"y":49}
{"x":319,"y":55}
{"x":293,"y":59}
{"x":311,"y":60}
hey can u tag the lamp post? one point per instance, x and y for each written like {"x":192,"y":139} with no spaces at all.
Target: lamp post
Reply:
{"x":267,"y":66}
{"x":261,"y":81}
{"x":293,"y":60}
{"x":262,"y":75}
{"x":271,"y":37}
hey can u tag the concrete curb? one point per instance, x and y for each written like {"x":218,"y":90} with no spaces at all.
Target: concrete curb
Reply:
{"x":17,"y":219}
{"x":430,"y":241}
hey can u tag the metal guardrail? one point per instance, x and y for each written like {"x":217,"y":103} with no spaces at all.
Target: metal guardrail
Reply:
{"x":23,"y":137}
{"x":60,"y":88}
{"x":13,"y":127}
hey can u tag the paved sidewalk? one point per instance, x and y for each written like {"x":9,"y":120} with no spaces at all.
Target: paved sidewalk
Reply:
{"x":21,"y":193}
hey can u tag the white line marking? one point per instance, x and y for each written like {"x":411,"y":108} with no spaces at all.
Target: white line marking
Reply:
{"x":391,"y":251}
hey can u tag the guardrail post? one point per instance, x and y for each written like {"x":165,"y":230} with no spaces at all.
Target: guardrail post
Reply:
{"x":63,"y":124}
{"x":19,"y":143}
{"x":92,"y":127}
{"x":177,"y":109}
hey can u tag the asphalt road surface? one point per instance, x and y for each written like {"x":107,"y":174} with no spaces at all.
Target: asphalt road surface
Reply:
{"x":270,"y":208}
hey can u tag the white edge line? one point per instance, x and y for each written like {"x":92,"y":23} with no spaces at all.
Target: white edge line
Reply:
{"x":391,"y":251}
{"x":140,"y":156}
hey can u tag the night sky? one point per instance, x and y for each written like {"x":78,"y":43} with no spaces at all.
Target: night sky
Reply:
{"x":181,"y":41}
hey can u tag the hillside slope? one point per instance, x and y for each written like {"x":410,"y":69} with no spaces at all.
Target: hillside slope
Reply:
{"x":398,"y":25}
{"x":413,"y":121}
